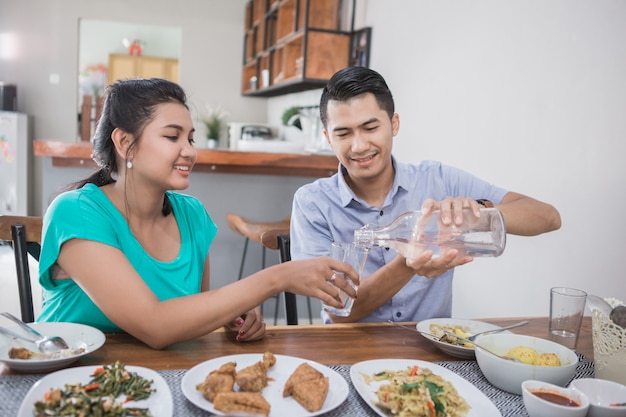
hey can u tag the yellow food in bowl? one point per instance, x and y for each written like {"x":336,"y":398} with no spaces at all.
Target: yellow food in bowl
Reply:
{"x":548,"y":359}
{"x":525,"y":354}
{"x":530,"y":356}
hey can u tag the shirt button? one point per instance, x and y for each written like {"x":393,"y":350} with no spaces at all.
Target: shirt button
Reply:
{"x":381,"y":213}
{"x":398,"y":314}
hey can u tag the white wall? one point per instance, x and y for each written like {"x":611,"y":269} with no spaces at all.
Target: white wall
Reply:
{"x":530,"y":95}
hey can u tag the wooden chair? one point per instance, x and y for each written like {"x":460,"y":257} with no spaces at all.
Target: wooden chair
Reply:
{"x":252,"y":231}
{"x":278,"y":239}
{"x":24,"y":232}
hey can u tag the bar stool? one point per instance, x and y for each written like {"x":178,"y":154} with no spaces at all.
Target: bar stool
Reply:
{"x":253,"y":231}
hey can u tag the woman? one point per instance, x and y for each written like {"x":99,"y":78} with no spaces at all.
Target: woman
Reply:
{"x":122,"y":252}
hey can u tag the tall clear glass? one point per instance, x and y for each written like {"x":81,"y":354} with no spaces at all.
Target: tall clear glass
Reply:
{"x":355,"y":256}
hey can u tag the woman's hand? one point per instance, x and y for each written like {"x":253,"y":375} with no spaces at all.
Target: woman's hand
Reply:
{"x":250,"y":326}
{"x":309,"y":277}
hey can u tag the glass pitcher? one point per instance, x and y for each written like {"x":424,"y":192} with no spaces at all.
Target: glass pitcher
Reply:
{"x":412,"y":233}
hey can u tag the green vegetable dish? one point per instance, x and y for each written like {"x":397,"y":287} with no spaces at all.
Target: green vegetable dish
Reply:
{"x":99,"y":397}
{"x":417,"y":392}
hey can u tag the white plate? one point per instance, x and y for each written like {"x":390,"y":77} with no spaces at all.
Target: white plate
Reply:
{"x":76,"y":335}
{"x":160,"y":402}
{"x":273,"y":393}
{"x":474,"y":327}
{"x":481,"y":405}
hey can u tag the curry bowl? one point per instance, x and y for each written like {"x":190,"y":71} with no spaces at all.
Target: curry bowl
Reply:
{"x":543,"y":399}
{"x":509,"y":375}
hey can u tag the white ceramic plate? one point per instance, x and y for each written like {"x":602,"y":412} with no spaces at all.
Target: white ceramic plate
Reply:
{"x":481,"y":405}
{"x":76,"y":335}
{"x":474,"y":327}
{"x":160,"y":402}
{"x":273,"y":393}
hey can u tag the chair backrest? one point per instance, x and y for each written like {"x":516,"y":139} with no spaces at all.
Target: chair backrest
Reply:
{"x":24,"y":232}
{"x":278,"y":239}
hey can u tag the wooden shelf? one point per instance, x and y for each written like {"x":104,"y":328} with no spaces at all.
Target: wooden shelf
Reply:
{"x":300,"y":43}
{"x":78,"y":155}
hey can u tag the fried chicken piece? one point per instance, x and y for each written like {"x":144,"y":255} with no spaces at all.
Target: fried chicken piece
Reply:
{"x":311,"y":394}
{"x":269,"y":359}
{"x":242,"y":402}
{"x":253,"y":378}
{"x":21,"y":353}
{"x":304,"y":372}
{"x":308,"y":386}
{"x":220,"y":380}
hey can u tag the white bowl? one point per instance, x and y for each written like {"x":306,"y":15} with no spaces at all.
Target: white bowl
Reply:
{"x":540,"y":407}
{"x":509,"y":375}
{"x":601,"y":394}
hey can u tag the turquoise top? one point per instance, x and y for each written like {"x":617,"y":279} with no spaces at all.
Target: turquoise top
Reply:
{"x":87,"y":213}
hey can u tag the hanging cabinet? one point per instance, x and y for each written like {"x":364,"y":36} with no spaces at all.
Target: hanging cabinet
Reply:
{"x":123,"y":66}
{"x":293,"y":45}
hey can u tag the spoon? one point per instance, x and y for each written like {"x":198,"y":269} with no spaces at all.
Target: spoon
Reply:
{"x":413,"y":329}
{"x":11,"y":333}
{"x":512,"y":326}
{"x":508,"y":358}
{"x":46,"y":344}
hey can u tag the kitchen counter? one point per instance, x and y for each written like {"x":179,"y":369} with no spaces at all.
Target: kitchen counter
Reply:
{"x":78,"y":154}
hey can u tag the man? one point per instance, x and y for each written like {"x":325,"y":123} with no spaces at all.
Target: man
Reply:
{"x":357,"y":111}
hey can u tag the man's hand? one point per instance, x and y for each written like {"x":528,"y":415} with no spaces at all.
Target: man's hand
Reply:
{"x":451,"y":208}
{"x":433,"y":267}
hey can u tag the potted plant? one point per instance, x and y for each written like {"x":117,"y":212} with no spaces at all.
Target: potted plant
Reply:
{"x":214,"y":120}
{"x":291,"y":117}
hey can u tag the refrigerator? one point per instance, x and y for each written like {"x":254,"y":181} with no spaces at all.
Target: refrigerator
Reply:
{"x":15,"y":154}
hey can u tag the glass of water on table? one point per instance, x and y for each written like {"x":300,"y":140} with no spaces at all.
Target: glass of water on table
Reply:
{"x":567,"y":306}
{"x":354,"y":255}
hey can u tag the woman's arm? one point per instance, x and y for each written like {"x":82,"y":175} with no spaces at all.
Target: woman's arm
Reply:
{"x":109,"y":279}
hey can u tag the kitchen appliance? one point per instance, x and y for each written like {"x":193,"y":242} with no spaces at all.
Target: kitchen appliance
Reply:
{"x":8,"y":97}
{"x":15,"y":151}
{"x":258,"y":137}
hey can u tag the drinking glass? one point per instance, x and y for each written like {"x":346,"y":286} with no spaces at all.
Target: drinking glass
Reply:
{"x":355,"y":256}
{"x":567,"y":306}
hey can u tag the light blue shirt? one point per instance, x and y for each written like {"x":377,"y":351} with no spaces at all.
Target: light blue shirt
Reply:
{"x":327,"y":210}
{"x":87,"y":213}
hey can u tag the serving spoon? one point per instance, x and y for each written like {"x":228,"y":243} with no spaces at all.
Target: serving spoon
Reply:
{"x":46,"y":344}
{"x":508,"y":358}
{"x":512,"y":326}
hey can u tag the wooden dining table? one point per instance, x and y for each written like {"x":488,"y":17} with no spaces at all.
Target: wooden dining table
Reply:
{"x":329,"y":344}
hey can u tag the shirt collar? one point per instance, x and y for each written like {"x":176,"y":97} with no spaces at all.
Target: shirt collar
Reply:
{"x":401,"y":180}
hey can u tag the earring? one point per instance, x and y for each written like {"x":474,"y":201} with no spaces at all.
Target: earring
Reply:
{"x":129,"y":164}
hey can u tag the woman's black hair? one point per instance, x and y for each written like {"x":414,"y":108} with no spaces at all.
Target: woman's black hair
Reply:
{"x":128,"y":105}
{"x":350,"y":82}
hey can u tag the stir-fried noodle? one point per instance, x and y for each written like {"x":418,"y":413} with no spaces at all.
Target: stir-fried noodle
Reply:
{"x":417,"y":392}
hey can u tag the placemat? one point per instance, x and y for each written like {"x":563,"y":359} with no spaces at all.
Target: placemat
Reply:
{"x":13,"y":389}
